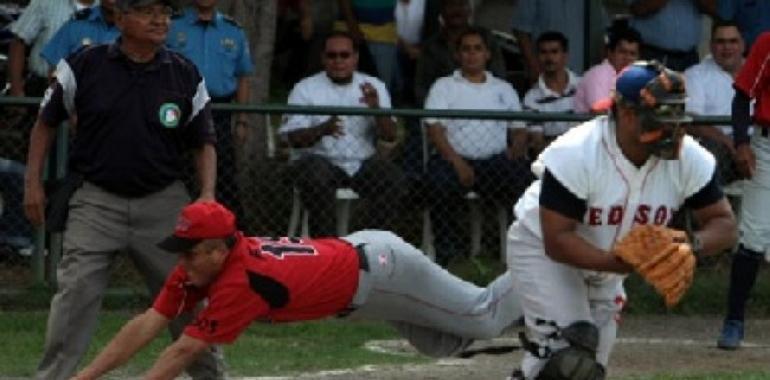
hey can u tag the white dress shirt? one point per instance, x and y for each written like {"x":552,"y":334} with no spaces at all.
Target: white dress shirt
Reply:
{"x":473,"y":138}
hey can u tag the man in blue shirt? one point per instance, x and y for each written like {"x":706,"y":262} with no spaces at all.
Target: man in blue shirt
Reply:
{"x":90,"y":26}
{"x":218,"y":47}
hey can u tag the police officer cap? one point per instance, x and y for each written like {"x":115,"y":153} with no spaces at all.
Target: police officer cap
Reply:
{"x":125,"y":4}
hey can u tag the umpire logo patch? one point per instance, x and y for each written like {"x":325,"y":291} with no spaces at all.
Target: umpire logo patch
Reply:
{"x":169,"y":115}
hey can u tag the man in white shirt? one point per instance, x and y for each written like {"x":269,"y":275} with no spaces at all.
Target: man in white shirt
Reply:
{"x":342,"y":151}
{"x":473,"y":155}
{"x":710,"y":92}
{"x":554,"y":90}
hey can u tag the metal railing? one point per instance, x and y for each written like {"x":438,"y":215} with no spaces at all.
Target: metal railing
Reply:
{"x":38,"y":263}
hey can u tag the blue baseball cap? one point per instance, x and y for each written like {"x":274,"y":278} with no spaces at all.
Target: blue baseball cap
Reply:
{"x":633,"y":79}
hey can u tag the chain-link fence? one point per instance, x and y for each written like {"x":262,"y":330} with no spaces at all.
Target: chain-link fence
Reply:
{"x":408,"y":189}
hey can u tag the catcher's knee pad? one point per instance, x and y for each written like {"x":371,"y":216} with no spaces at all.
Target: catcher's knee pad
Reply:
{"x":577,"y":361}
{"x":572,"y":363}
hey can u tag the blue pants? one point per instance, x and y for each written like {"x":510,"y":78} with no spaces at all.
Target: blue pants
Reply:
{"x":15,"y":231}
{"x":497,"y":180}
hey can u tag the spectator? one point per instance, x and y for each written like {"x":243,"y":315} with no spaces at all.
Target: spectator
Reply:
{"x":90,"y":26}
{"x":196,"y":33}
{"x":752,"y":17}
{"x":473,"y":155}
{"x":532,"y":17}
{"x":598,"y":82}
{"x":670,"y":29}
{"x":710,"y":92}
{"x":752,"y":156}
{"x":15,"y":231}
{"x":293,"y":36}
{"x":410,"y":17}
{"x":36,"y":26}
{"x":554,"y":91}
{"x":335,"y":151}
{"x":373,"y":24}
{"x":439,"y":58}
{"x":140,"y":107}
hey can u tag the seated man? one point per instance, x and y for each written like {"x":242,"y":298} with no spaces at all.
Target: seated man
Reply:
{"x":369,"y":274}
{"x":554,"y":90}
{"x":338,"y":151}
{"x":598,"y":82}
{"x":710,"y":92}
{"x":472,"y":154}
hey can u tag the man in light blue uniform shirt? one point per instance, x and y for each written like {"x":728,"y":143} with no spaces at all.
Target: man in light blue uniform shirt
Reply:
{"x":90,"y":26}
{"x":218,"y":47}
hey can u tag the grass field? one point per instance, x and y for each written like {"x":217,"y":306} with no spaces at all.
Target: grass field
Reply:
{"x":333,"y":344}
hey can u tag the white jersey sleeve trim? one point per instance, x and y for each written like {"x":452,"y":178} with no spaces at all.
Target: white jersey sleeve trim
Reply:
{"x":199,"y":100}
{"x":66,"y":78}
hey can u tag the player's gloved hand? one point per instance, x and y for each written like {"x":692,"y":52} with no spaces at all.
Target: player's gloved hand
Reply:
{"x":662,"y":256}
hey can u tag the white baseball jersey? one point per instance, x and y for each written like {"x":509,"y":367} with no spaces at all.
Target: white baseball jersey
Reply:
{"x":589,"y":163}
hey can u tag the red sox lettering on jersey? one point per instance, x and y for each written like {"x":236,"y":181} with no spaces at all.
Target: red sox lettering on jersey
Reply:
{"x":617,"y":193}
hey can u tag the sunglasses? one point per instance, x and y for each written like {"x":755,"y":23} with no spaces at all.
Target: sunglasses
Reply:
{"x":338,"y":54}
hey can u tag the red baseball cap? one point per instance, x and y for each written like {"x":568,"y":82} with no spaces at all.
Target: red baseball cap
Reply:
{"x":199,"y":221}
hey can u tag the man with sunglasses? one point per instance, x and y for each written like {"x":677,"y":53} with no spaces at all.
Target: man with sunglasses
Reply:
{"x":598,"y":180}
{"x":139,"y":109}
{"x":333,"y":151}
{"x":367,"y":275}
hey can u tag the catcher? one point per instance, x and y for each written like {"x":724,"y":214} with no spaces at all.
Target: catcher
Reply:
{"x":368,"y":274}
{"x":606,"y":191}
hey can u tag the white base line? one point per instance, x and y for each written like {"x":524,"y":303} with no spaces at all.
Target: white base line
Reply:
{"x":401,"y":348}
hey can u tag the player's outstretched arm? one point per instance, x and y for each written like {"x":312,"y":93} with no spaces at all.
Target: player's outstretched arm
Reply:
{"x":176,"y":357}
{"x":129,"y":340}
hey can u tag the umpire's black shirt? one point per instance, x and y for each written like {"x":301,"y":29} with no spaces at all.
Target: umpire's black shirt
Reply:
{"x":134,"y":121}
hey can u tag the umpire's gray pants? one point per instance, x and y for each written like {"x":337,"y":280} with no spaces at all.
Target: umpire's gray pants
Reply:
{"x":100,"y":225}
{"x":439,"y":313}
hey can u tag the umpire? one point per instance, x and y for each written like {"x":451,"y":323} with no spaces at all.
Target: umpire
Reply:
{"x":139,"y":108}
{"x":218,"y":47}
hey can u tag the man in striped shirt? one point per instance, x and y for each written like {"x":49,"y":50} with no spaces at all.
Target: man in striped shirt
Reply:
{"x":36,"y":26}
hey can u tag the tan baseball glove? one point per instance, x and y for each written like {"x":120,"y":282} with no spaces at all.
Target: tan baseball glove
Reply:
{"x":662,"y":256}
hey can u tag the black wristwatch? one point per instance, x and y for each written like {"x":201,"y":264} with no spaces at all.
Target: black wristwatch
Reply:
{"x":697,"y":246}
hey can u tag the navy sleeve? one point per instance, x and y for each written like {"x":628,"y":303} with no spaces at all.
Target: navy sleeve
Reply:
{"x":707,"y":195}
{"x":555,"y":197}
{"x":52,"y":111}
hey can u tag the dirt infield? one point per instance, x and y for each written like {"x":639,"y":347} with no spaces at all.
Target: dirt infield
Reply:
{"x":646,"y":345}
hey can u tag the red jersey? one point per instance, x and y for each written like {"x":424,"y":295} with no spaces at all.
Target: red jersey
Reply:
{"x":754,"y":79}
{"x":276,"y":280}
